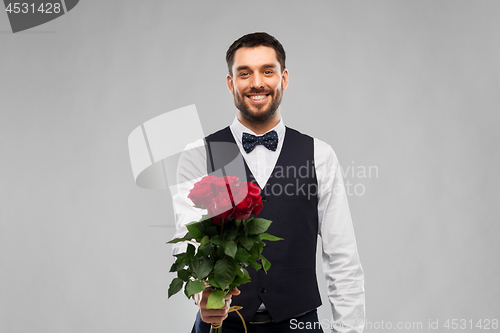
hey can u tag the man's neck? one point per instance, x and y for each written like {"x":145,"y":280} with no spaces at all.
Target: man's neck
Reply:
{"x":260,"y":128}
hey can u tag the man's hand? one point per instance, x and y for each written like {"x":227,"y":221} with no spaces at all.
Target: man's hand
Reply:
{"x":213,"y":315}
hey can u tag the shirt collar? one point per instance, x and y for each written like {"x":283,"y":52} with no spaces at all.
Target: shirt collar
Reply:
{"x":238,"y":128}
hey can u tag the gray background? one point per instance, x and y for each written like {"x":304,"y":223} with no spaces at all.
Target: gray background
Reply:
{"x":411,"y":87}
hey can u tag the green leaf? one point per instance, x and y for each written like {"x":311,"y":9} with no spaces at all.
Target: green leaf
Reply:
{"x":216,"y":300}
{"x":206,"y":250}
{"x":243,"y":278}
{"x":211,"y":231}
{"x":195,"y":229}
{"x":245,"y":272}
{"x":190,"y":251}
{"x":229,"y":248}
{"x":257,"y":226}
{"x":184,"y":274}
{"x":186,"y":237}
{"x":175,"y":286}
{"x":260,"y":246}
{"x":204,"y":241}
{"x":245,"y":222}
{"x":254,"y":252}
{"x":217,"y":240}
{"x":246,"y":242}
{"x":231,"y":235}
{"x":239,"y":272}
{"x":180,"y":256}
{"x":240,"y":280}
{"x":255,"y":265}
{"x":266,"y":236}
{"x":220,"y":252}
{"x":180,"y":265}
{"x":202,"y":267}
{"x":224,"y":272}
{"x":242,"y":255}
{"x":213,"y":283}
{"x":176,"y":240}
{"x":265,"y":263}
{"x":210,"y":228}
{"x":194,"y":287}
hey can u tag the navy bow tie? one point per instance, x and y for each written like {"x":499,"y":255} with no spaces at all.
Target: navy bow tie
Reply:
{"x":268,"y":140}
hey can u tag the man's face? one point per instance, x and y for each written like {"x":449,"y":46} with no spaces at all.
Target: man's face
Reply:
{"x":257,"y":83}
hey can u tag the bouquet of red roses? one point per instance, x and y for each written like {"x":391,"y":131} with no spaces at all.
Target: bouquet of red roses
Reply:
{"x":229,"y":239}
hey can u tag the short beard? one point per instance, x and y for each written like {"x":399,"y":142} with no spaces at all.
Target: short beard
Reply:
{"x":261,"y":117}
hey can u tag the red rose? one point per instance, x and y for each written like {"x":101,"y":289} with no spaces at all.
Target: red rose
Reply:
{"x":250,"y":204}
{"x":243,"y":209}
{"x":253,"y":190}
{"x":254,"y":193}
{"x":258,"y":207}
{"x":226,"y":197}
{"x":221,"y":184}
{"x":202,"y":193}
{"x":220,"y":208}
{"x":227,"y":184}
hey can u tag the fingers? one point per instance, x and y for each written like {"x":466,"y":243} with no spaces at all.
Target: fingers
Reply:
{"x":206,"y":293}
{"x":215,"y":315}
{"x":204,"y":299}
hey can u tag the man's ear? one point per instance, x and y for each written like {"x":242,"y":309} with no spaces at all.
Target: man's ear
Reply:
{"x":229,"y":82}
{"x":284,"y":79}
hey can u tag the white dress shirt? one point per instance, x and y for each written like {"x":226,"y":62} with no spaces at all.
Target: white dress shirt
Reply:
{"x":341,"y":264}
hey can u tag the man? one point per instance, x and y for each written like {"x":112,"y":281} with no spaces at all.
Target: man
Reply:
{"x":302,"y":185}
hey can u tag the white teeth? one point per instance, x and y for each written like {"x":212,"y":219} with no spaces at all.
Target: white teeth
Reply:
{"x":259,"y":97}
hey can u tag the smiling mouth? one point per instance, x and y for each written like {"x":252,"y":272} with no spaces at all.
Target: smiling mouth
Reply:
{"x":257,"y":97}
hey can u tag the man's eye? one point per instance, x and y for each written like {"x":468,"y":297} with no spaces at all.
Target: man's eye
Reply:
{"x":268,"y":72}
{"x":243,"y":74}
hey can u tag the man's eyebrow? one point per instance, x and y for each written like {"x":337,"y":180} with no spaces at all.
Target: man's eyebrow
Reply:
{"x":269,"y":66}
{"x":242,"y":68}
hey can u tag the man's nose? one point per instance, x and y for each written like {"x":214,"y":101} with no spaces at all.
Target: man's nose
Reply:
{"x":257,"y":81}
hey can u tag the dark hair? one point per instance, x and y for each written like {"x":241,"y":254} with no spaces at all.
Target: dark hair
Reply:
{"x":253,"y":40}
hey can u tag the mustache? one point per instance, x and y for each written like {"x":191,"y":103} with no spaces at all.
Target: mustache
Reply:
{"x":258,"y":91}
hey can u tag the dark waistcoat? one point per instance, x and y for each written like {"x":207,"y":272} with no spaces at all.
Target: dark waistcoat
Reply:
{"x":289,"y":288}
